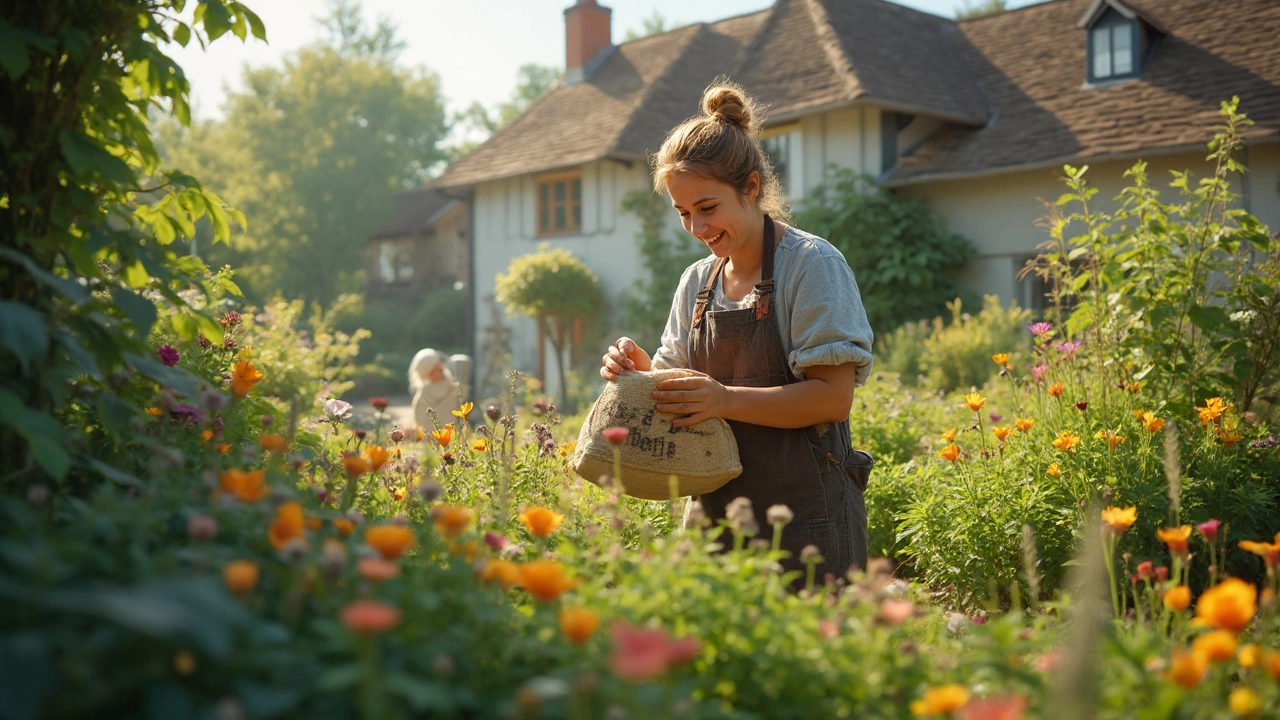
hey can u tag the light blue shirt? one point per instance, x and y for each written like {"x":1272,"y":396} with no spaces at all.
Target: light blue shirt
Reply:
{"x":815,"y":298}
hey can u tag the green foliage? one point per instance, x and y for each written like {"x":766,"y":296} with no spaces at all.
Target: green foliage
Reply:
{"x":654,"y":24}
{"x":1184,"y":291}
{"x":664,"y":255}
{"x":439,"y":321}
{"x":905,"y":260}
{"x":86,"y":236}
{"x":958,"y":354}
{"x":971,"y":10}
{"x":556,"y":289}
{"x":312,"y":151}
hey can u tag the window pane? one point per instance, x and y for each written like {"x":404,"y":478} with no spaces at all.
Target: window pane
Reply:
{"x":545,"y":192}
{"x":577,"y":191}
{"x":1122,"y":48}
{"x":778,"y":148}
{"x":577,"y":216}
{"x":544,"y":218}
{"x":560,"y":192}
{"x":560,"y":216}
{"x":1102,"y":52}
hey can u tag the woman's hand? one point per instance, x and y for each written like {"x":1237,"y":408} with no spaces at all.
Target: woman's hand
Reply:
{"x":622,"y":356}
{"x":696,"y":398}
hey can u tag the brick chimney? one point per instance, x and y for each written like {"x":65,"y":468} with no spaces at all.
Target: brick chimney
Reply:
{"x":587,"y":30}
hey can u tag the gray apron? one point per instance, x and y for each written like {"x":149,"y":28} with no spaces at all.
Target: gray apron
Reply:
{"x":812,"y":470}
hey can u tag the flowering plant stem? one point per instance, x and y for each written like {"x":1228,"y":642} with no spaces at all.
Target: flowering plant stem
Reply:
{"x":370,"y":702}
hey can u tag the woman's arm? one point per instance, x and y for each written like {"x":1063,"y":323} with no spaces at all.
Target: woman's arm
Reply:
{"x":826,"y":395}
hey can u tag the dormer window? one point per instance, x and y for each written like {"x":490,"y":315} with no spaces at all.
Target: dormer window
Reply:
{"x":1118,"y":39}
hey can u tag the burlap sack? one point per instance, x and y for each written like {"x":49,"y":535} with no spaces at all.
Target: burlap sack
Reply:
{"x":702,"y":457}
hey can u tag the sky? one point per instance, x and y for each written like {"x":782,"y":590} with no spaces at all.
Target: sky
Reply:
{"x":475,"y":46}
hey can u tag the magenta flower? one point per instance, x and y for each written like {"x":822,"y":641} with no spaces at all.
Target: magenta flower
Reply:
{"x":168,"y":355}
{"x":995,"y":418}
{"x":1068,"y":348}
{"x":1209,"y":529}
{"x":1040,"y":328}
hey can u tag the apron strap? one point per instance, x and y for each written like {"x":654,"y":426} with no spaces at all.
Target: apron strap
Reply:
{"x":704,"y":295}
{"x":764,"y":288}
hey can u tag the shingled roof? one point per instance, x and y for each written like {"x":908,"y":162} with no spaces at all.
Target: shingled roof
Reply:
{"x":1010,"y":88}
{"x":412,"y":213}
{"x":1030,"y":64}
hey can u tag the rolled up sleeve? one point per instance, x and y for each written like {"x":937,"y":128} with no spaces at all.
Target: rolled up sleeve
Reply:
{"x":828,"y":322}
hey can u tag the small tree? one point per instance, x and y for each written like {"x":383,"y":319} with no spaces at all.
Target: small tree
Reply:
{"x":555,"y":288}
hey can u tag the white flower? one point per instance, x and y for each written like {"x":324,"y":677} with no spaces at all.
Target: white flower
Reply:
{"x":335,"y":409}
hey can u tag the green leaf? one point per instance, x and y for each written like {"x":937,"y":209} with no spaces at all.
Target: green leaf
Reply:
{"x":339,"y":678}
{"x":1207,"y":318}
{"x":140,"y":311}
{"x":85,"y":155}
{"x":23,"y":333}
{"x":183,"y":324}
{"x":217,"y":20}
{"x":255,"y":23}
{"x":13,"y":52}
{"x":73,"y":290}
{"x":182,"y":34}
{"x":262,"y":701}
{"x":136,"y":275}
{"x":422,"y":695}
{"x":112,"y":473}
{"x":50,"y":455}
{"x":27,"y":674}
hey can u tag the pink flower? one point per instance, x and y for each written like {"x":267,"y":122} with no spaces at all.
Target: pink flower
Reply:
{"x":641,"y":654}
{"x":1209,"y":529}
{"x":896,"y":611}
{"x":168,"y":355}
{"x":616,"y":435}
{"x":1040,"y":328}
{"x":828,"y":629}
{"x":495,"y":541}
{"x":1039,"y":370}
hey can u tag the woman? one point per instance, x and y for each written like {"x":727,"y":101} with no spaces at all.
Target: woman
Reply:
{"x":774,"y":322}
{"x":432,"y":386}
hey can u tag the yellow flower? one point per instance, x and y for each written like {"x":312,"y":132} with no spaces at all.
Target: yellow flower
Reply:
{"x":1025,"y":424}
{"x":289,"y":525}
{"x":949,"y":436}
{"x":975,"y":401}
{"x":1066,"y":440}
{"x":941,"y":700}
{"x":244,"y":377}
{"x":567,"y":447}
{"x":240,"y":576}
{"x":1135,"y":387}
{"x":1054,"y":470}
{"x":1214,"y":408}
{"x":1001,"y":359}
{"x":1120,"y":518}
{"x":249,"y":487}
{"x":469,"y":549}
{"x":503,"y":572}
{"x":1244,"y":702}
{"x":391,"y":541}
{"x":1249,"y":656}
{"x":1114,"y":441}
{"x":274,"y":444}
{"x":480,"y":444}
{"x":1187,"y":668}
{"x":1151,"y":422}
{"x":377,"y":456}
{"x":451,"y":520}
{"x":1218,"y":646}
{"x":545,"y":580}
{"x":444,"y":435}
{"x":950,"y":452}
{"x":1177,"y":597}
{"x":1002,"y":432}
{"x":1229,"y":605}
{"x":578,"y":623}
{"x":1175,"y":538}
{"x":541,"y":521}
{"x":464,"y":411}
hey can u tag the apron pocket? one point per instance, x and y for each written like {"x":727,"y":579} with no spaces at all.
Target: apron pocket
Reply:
{"x":857,"y":466}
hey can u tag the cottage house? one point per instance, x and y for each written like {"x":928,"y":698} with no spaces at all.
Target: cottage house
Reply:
{"x":976,"y":117}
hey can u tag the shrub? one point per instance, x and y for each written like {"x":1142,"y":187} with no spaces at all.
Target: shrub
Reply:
{"x":958,"y":354}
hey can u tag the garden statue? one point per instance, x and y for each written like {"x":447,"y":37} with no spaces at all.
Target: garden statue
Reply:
{"x":437,"y":382}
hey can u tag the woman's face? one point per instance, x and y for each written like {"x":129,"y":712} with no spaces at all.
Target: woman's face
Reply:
{"x":714,"y":212}
{"x":435,"y":374}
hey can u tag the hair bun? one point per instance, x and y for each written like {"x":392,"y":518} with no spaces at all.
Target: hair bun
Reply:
{"x":728,"y":104}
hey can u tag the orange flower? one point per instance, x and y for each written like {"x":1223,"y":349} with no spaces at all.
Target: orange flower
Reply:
{"x":244,"y":377}
{"x":578,"y":623}
{"x":1229,"y":605}
{"x":377,"y":457}
{"x":444,"y":435}
{"x":1273,"y":664}
{"x":249,"y":487}
{"x":1054,"y":470}
{"x":1244,"y":702}
{"x":1056,"y":389}
{"x":314,"y":523}
{"x":1151,"y":422}
{"x":940,"y":700}
{"x":975,"y":401}
{"x":468,"y":549}
{"x":288,"y":525}
{"x":1025,"y":424}
{"x":344,"y":526}
{"x":1120,"y":518}
{"x":1002,"y":432}
{"x":451,"y":520}
{"x":541,"y":521}
{"x":398,"y":493}
{"x":206,"y":435}
{"x":950,"y":452}
{"x":1269,"y":552}
{"x":503,"y":572}
{"x":375,"y":570}
{"x":240,"y":576}
{"x":222,"y":448}
{"x":274,"y":444}
{"x":480,"y":444}
{"x":1135,"y":387}
{"x":1249,"y":656}
{"x":1187,"y":668}
{"x":1114,"y":441}
{"x":153,"y":410}
{"x":1066,"y":440}
{"x":949,"y":436}
{"x":355,"y":465}
{"x":1217,"y":646}
{"x":391,"y":541}
{"x":1177,"y":598}
{"x":545,"y":580}
{"x":1175,"y":538}
{"x":1001,"y":359}
{"x":369,"y":617}
{"x":1214,"y":408}
{"x":464,"y":411}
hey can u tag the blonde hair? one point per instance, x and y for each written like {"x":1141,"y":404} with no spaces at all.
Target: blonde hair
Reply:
{"x":722,"y":143}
